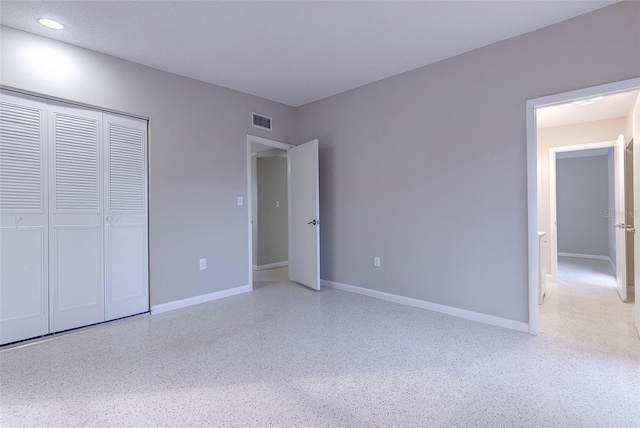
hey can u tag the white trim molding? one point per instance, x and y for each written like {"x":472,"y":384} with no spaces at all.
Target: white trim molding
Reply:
{"x":423,"y":304}
{"x":177,"y":304}
{"x":584,"y":256}
{"x":271,"y":265}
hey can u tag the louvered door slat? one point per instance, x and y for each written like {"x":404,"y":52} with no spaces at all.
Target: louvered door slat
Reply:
{"x":126,"y":169}
{"x":20,"y":159}
{"x":76,"y":161}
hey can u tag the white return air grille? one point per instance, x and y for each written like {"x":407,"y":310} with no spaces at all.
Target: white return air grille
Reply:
{"x":126,"y":169}
{"x":261,"y":121}
{"x":76,"y":164}
{"x":20,"y":159}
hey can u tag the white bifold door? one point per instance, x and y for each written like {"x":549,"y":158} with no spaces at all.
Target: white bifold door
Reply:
{"x":125,"y":217}
{"x":24,"y":271}
{"x":76,"y":252}
{"x":81,"y":248}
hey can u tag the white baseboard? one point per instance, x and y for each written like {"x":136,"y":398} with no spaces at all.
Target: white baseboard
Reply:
{"x":613,"y":265}
{"x":271,"y":265}
{"x":177,"y":304}
{"x":443,"y":309}
{"x":584,"y":256}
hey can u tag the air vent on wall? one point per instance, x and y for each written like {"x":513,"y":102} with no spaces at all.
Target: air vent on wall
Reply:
{"x":261,"y":121}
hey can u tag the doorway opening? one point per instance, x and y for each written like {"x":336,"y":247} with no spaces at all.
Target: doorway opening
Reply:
{"x":269,"y":211}
{"x":582,"y":246}
{"x":302,"y":210}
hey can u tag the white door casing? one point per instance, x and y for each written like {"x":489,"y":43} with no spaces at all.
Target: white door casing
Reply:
{"x":24,"y":288}
{"x":304,"y":215}
{"x":76,"y":256}
{"x":532,"y":176}
{"x":619,"y":151}
{"x":125,"y":220}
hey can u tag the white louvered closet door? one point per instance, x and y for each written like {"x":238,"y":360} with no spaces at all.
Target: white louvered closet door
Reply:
{"x":23,"y":219}
{"x":126,"y":242}
{"x":75,"y":217}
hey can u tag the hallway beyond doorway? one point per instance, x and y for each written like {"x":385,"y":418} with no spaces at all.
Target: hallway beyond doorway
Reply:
{"x":584,"y":309}
{"x":263,"y":278}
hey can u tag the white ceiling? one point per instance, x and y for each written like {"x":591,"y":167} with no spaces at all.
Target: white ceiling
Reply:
{"x":293,"y":52}
{"x":610,"y":107}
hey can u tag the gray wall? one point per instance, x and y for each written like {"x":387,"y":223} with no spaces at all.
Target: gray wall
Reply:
{"x":198,"y":153}
{"x":582,"y":202}
{"x":428,"y":169}
{"x":272,"y":220}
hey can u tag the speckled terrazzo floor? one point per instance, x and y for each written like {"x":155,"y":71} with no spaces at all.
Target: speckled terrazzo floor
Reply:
{"x":286,"y":356}
{"x":584,"y":309}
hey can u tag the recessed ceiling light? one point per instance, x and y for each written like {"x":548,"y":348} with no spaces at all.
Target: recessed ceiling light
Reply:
{"x":50,"y":23}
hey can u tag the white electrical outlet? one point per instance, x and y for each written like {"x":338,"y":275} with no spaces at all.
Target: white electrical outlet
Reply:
{"x":277,"y":204}
{"x":240,"y":201}
{"x":376,"y":261}
{"x":203,"y":264}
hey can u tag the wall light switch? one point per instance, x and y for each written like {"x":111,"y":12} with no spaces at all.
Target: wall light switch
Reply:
{"x":240,"y":201}
{"x":203,"y":264}
{"x":277,"y":204}
{"x":376,"y":261}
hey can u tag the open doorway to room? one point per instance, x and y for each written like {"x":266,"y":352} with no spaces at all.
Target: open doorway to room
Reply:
{"x":585,"y":219}
{"x":294,"y":243}
{"x":269,"y":212}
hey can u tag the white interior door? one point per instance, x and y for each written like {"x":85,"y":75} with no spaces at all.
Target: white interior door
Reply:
{"x":636,"y":236}
{"x":635,"y":131}
{"x":125,"y":226}
{"x":304,"y":215}
{"x":621,"y":229}
{"x":24,"y":276}
{"x":76,"y":258}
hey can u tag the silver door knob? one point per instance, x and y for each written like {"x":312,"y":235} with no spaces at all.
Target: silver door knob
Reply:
{"x":109,"y":218}
{"x":621,"y":225}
